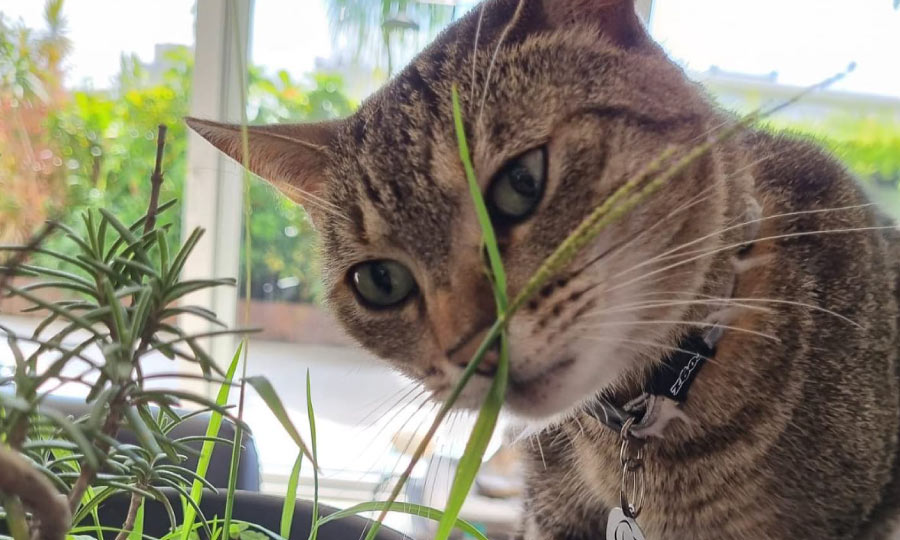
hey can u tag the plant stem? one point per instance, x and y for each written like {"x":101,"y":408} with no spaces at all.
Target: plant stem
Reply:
{"x":20,"y":480}
{"x":128,"y":526}
{"x":117,"y":406}
{"x":88,"y":473}
{"x":8,"y":268}
{"x":156,"y":180}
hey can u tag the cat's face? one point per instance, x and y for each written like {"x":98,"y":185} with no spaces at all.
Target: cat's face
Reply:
{"x":573,"y":103}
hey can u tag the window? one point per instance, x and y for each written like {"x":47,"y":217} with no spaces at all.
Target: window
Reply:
{"x":81,"y":99}
{"x":81,"y":109}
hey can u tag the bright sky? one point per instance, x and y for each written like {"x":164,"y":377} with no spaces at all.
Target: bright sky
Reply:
{"x":805,"y":41}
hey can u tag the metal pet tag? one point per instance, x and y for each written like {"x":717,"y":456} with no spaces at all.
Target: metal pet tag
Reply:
{"x":621,"y":527}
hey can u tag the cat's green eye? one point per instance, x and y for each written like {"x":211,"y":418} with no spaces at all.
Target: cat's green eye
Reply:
{"x":517,"y":190}
{"x":382,"y":284}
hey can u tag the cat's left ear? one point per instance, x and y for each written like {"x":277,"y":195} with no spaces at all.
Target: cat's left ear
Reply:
{"x":617,"y":20}
{"x":290,"y":156}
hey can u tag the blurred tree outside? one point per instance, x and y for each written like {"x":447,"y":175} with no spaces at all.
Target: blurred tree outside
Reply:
{"x":384,"y":34}
{"x":63,"y":151}
{"x":31,"y":172}
{"x":283,"y":251}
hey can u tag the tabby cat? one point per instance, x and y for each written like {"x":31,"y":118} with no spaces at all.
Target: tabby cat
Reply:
{"x":790,"y":431}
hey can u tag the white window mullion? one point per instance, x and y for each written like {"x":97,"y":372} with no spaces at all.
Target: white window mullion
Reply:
{"x":645,"y":10}
{"x":213,"y":192}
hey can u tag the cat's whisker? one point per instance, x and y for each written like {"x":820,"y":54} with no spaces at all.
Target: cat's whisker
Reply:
{"x":308,"y":196}
{"x":640,"y":306}
{"x":392,"y":401}
{"x":702,"y":197}
{"x":541,"y":450}
{"x":390,"y":414}
{"x":698,"y":199}
{"x":487,"y":78}
{"x":442,"y":457}
{"x":673,"y":252}
{"x":312,"y":204}
{"x":578,"y":422}
{"x":740,"y":244}
{"x":316,"y":201}
{"x":776,"y":301}
{"x":366,"y":445}
{"x":413,"y":437}
{"x":387,"y":422}
{"x":698,"y":324}
{"x":312,"y":196}
{"x":475,"y":53}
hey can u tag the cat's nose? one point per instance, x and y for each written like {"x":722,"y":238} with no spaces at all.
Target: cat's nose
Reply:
{"x":464,"y":352}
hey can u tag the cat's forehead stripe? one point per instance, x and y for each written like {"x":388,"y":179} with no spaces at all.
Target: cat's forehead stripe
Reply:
{"x":390,"y":174}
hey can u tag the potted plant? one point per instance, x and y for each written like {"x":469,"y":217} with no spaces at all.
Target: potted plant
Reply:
{"x":63,"y":475}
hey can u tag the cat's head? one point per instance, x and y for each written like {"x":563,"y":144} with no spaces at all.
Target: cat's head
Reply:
{"x":564,"y":101}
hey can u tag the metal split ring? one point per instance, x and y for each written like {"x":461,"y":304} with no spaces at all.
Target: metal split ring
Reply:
{"x":631,"y":455}
{"x":631,"y":495}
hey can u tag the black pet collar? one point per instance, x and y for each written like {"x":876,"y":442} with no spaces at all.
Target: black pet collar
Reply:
{"x":666,"y":389}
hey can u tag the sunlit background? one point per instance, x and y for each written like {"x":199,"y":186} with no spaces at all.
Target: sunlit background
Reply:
{"x":83,"y":84}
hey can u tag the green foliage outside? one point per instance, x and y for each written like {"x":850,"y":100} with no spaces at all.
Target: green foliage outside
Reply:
{"x":282,"y":237}
{"x":869,"y":144}
{"x":101,"y":141}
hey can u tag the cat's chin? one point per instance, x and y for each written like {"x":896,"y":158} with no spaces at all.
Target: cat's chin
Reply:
{"x":554,"y":393}
{"x":558,"y":390}
{"x":543,"y":395}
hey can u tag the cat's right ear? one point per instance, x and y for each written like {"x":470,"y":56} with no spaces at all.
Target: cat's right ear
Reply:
{"x":290,"y":156}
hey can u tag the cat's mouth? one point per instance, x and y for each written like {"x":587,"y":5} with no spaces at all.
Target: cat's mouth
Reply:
{"x":537,"y":395}
{"x":529,"y":383}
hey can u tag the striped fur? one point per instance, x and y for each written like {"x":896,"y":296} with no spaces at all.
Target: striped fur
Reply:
{"x":794,"y":424}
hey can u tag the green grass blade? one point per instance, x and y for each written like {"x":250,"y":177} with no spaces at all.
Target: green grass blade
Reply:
{"x":75,"y":531}
{"x":212,"y":431}
{"x":137,"y":532}
{"x":290,"y":498}
{"x":95,"y":512}
{"x":265,"y":390}
{"x":403,"y":508}
{"x":484,"y":219}
{"x":314,"y":529}
{"x":89,"y":507}
{"x":472,"y":458}
{"x":245,"y":144}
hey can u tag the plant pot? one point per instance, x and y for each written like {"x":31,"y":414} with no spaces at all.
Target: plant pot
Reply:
{"x":256,"y":508}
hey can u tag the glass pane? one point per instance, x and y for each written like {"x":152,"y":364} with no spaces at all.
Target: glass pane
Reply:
{"x":753,"y":54}
{"x":81,"y":100}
